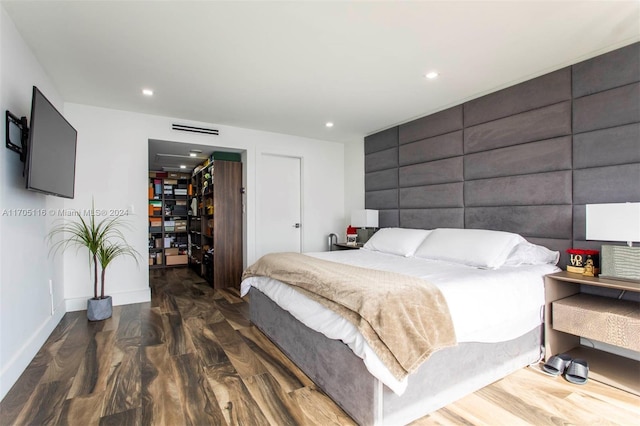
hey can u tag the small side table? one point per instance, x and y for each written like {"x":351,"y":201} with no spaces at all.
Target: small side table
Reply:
{"x":345,"y":246}
{"x":620,"y":372}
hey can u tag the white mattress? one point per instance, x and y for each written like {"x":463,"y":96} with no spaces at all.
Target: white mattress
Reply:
{"x":485,"y":305}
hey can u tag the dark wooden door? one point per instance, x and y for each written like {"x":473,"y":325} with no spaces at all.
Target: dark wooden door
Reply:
{"x":227,"y":232}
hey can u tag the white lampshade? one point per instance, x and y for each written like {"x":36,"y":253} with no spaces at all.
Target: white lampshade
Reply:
{"x":364,"y":218}
{"x":613,"y":222}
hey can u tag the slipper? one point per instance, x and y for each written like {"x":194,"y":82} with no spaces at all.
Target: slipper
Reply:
{"x":577,"y":372}
{"x":556,"y":364}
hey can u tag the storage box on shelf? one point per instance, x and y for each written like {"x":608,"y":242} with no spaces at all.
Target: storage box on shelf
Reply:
{"x":180,"y":259}
{"x":168,"y":198}
{"x":570,"y":315}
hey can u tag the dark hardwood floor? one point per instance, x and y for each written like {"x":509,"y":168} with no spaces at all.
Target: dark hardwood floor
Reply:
{"x":191,"y":357}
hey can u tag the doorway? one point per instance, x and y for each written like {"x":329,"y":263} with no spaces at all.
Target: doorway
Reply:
{"x":279,"y":212}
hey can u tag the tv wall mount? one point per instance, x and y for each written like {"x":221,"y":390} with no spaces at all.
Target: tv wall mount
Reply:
{"x":17,"y":135}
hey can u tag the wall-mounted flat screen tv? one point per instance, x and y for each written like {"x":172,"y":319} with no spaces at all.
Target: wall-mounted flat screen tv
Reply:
{"x":51,"y":153}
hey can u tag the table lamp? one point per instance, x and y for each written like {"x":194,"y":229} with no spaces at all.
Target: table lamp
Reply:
{"x":616,"y":222}
{"x":367,"y":223}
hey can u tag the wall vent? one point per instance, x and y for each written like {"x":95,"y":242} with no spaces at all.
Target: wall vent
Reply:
{"x":184,"y":128}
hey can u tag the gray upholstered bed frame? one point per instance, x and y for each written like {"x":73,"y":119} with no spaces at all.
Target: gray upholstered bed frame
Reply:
{"x":448,"y":374}
{"x":525,"y":159}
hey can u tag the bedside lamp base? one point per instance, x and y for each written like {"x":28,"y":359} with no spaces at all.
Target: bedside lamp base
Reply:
{"x":365,"y":233}
{"x":620,"y":262}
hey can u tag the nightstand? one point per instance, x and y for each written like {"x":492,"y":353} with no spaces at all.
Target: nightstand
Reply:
{"x":575,"y":315}
{"x":345,"y":246}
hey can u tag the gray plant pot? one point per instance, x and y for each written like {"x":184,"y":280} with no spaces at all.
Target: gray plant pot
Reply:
{"x":99,"y":309}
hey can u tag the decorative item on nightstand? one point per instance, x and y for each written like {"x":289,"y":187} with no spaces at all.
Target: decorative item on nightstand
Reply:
{"x":367,"y":223}
{"x":352,"y":236}
{"x":585,"y":262}
{"x":616,"y":222}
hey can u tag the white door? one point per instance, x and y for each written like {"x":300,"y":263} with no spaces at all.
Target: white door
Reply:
{"x":279,"y":225}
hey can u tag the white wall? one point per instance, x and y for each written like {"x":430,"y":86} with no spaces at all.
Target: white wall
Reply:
{"x":112,"y":167}
{"x":353,"y":181}
{"x":26,"y":318}
{"x":109,"y":173}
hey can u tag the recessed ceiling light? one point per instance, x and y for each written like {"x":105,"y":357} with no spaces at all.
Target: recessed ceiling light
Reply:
{"x":431,"y":75}
{"x":147,"y":92}
{"x":182,"y":166}
{"x":192,"y":154}
{"x":329,"y":124}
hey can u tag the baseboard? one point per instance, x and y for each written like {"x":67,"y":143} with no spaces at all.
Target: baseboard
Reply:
{"x":12,"y":369}
{"x":123,"y":298}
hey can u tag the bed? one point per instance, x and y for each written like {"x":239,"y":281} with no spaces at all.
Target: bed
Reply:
{"x":493,"y":286}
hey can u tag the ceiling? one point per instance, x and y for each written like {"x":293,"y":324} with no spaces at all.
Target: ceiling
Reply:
{"x":290,"y":67}
{"x":169,"y":156}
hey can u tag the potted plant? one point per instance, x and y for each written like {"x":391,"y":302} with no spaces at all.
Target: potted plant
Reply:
{"x":104,"y":242}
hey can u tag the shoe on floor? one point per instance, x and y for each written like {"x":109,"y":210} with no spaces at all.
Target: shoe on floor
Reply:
{"x":557,"y":364}
{"x":577,"y":372}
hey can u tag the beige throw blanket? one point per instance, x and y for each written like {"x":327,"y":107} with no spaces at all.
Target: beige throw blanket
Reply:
{"x":404,"y":319}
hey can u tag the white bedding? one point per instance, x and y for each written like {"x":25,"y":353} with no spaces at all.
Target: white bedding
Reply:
{"x":485,"y":305}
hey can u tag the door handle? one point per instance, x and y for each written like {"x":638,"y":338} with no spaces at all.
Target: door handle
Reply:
{"x":297,"y":225}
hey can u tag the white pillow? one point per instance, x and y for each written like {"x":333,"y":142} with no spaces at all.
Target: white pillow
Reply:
{"x":527,"y":253}
{"x":474,"y":247}
{"x":400,"y":241}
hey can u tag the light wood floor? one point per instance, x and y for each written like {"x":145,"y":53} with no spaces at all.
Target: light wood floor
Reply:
{"x":192,"y":357}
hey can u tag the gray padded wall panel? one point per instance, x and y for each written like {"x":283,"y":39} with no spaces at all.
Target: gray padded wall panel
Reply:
{"x":528,"y":221}
{"x":431,"y":173}
{"x":382,"y":140}
{"x":383,"y":179}
{"x":542,"y":123}
{"x":615,"y":107}
{"x":535,"y":157}
{"x":436,"y":148}
{"x":604,"y":72}
{"x":523,"y":190}
{"x":526,"y":167}
{"x":607,"y":147}
{"x":517,"y":167}
{"x":579,"y":222}
{"x":388,"y":218}
{"x":431,"y":176}
{"x":432,"y":218}
{"x":381,"y":200}
{"x":438,"y":196}
{"x":606,"y":150}
{"x":381,"y":160}
{"x":611,"y":184}
{"x":436,"y":124}
{"x":546,"y":90}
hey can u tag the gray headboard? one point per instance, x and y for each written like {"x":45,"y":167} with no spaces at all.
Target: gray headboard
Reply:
{"x":525,"y":159}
